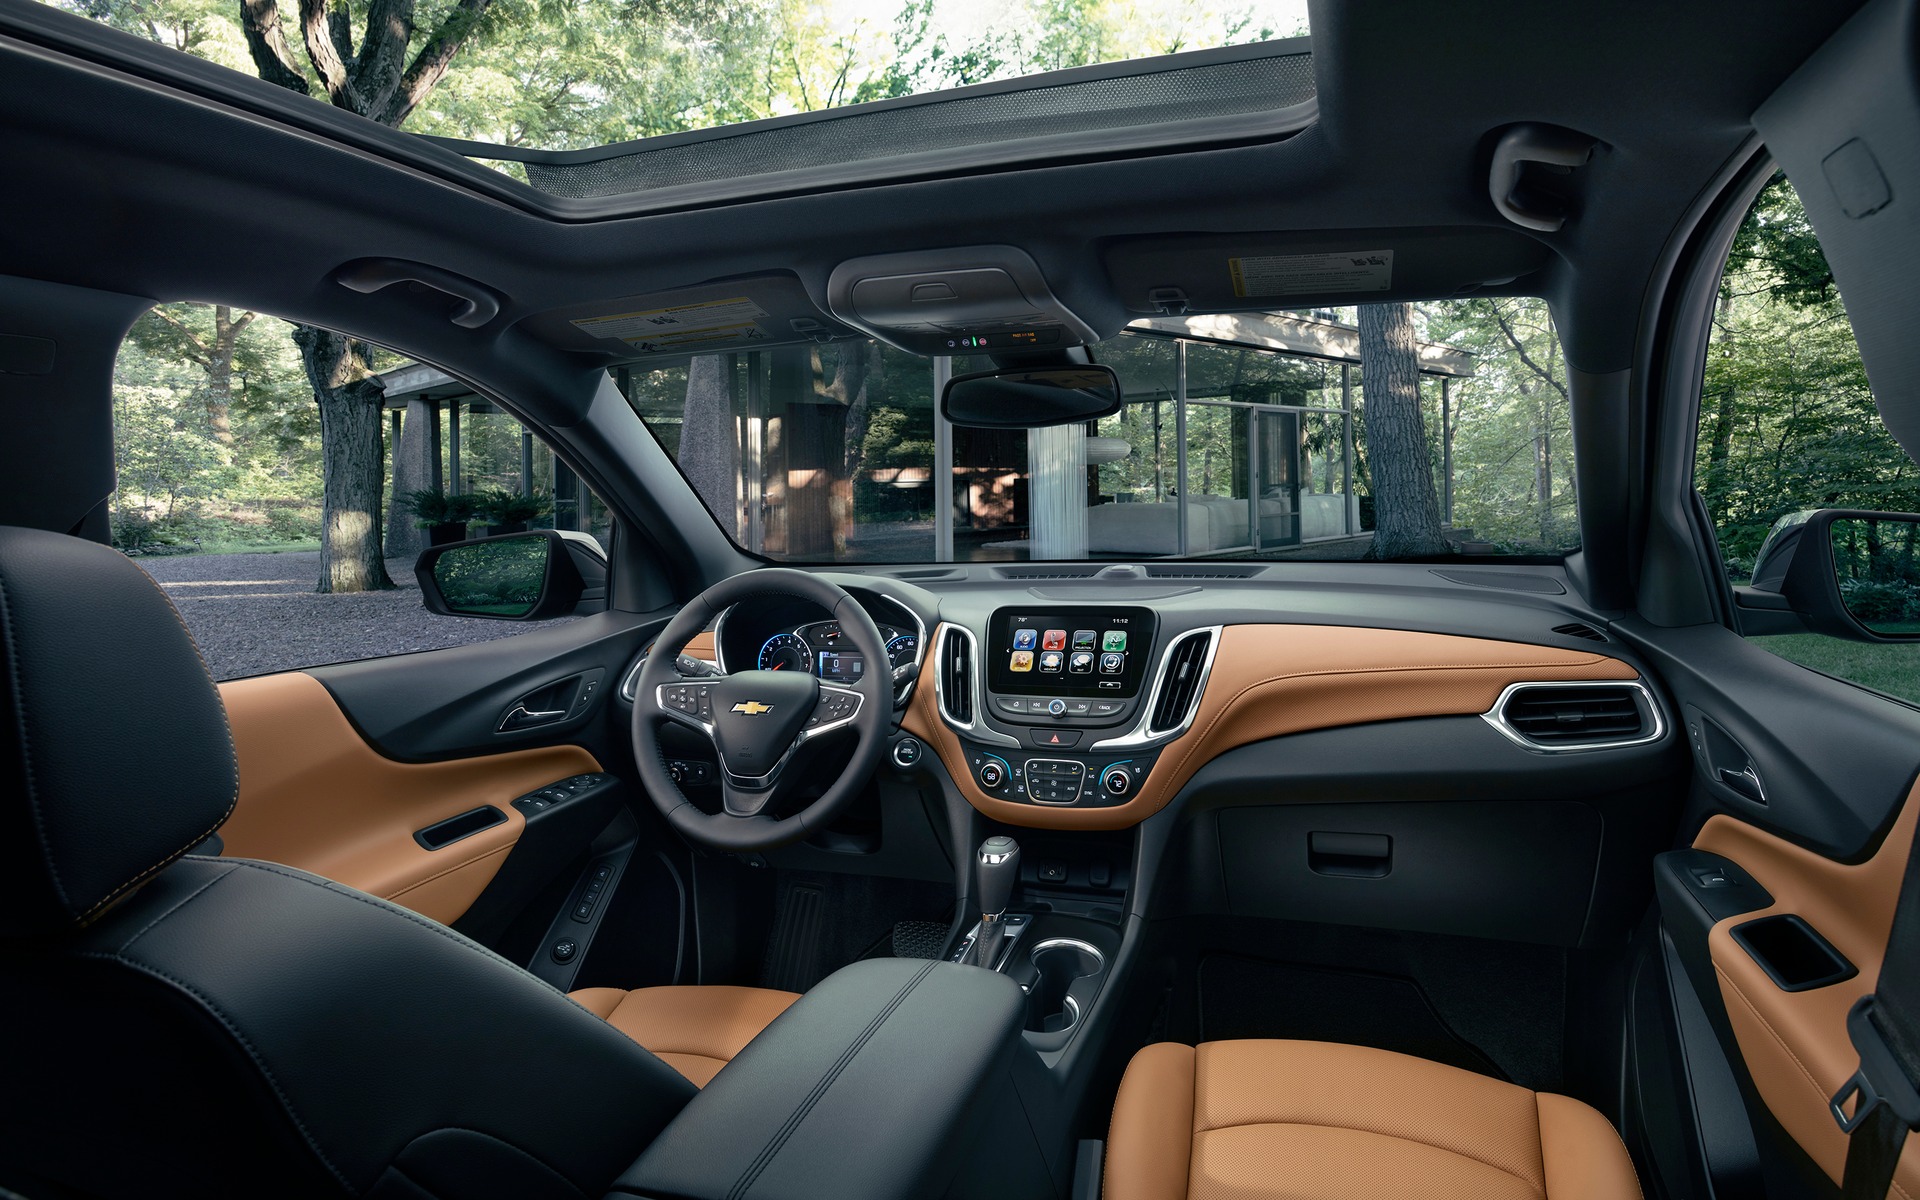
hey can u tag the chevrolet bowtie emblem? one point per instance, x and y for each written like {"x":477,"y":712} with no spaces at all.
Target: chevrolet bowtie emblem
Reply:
{"x":752,"y":708}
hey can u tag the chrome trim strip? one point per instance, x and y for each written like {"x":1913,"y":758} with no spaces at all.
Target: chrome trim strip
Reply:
{"x":1100,"y":960}
{"x":1497,"y":717}
{"x":1139,"y":736}
{"x":975,"y":728}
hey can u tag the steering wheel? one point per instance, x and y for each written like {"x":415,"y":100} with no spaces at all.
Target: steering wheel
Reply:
{"x":756,"y":720}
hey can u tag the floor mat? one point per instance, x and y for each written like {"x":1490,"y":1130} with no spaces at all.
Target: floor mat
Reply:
{"x":822,"y":922}
{"x":1251,"y":998}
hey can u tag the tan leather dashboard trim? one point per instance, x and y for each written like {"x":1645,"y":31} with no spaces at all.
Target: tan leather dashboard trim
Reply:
{"x":702,"y":647}
{"x":1795,"y":1044}
{"x":1271,"y":680}
{"x":315,"y":795}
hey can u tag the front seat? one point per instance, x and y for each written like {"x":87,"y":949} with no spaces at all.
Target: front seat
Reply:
{"x":1248,"y":1120}
{"x":174,"y":1024}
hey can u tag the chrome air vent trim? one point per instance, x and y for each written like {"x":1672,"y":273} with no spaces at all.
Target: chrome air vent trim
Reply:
{"x":976,"y":700}
{"x":1142,"y":734}
{"x":1654,"y":721}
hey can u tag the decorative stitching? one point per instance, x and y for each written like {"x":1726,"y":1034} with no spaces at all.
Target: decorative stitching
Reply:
{"x":266,"y":1072}
{"x":1767,"y":1025}
{"x":1537,"y":1188}
{"x":26,"y":751}
{"x":144,"y":929}
{"x":1196,"y":743}
{"x":450,"y":870}
{"x":516,"y":1147}
{"x":785,"y":1132}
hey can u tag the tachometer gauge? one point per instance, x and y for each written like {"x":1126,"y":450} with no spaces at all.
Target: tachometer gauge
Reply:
{"x":902,"y":649}
{"x":787,"y":652}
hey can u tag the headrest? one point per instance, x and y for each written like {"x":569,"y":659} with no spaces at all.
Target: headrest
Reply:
{"x":115,"y":757}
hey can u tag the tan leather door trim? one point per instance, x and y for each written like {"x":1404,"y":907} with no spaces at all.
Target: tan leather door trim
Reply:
{"x":1795,"y":1043}
{"x":1271,"y":680}
{"x":315,"y":795}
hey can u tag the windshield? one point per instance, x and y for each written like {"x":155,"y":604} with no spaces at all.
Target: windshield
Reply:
{"x":1242,"y":437}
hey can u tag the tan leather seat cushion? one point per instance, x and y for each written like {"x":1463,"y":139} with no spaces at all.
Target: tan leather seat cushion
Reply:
{"x":695,"y":1030}
{"x":1262,"y":1120}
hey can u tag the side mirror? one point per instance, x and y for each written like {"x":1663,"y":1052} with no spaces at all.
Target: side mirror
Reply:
{"x":1847,"y":573}
{"x":520,"y":577}
{"x":1031,"y":397}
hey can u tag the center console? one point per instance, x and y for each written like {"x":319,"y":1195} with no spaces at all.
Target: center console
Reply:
{"x":1068,"y":705}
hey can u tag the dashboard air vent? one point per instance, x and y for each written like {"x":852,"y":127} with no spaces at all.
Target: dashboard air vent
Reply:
{"x":1180,"y":685}
{"x":1577,"y":716}
{"x":1048,"y":571}
{"x":1580,"y":630}
{"x":1204,"y":572}
{"x":956,"y":676}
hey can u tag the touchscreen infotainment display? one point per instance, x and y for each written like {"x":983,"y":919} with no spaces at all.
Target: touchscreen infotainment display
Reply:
{"x":1078,"y":651}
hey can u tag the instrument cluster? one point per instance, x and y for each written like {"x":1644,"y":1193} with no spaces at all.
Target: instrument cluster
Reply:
{"x":823,"y":649}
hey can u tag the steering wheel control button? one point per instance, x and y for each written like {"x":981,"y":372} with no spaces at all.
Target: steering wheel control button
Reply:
{"x":565,"y":949}
{"x":1055,"y":739}
{"x":906,"y":753}
{"x":833,"y":706}
{"x":693,"y":699}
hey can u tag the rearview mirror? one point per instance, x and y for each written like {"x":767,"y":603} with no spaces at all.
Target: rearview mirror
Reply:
{"x":1031,"y":397}
{"x":519,"y":577}
{"x":1846,"y":572}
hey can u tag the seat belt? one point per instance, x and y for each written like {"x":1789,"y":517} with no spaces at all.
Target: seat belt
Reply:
{"x":1885,"y":1030}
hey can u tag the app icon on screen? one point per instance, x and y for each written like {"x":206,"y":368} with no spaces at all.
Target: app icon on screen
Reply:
{"x":1050,"y":660}
{"x":1054,"y":639}
{"x":1115,"y":639}
{"x":1081,"y":663}
{"x":1110,"y":663}
{"x":1085,"y":639}
{"x":1022,"y":660}
{"x":1023,"y":639}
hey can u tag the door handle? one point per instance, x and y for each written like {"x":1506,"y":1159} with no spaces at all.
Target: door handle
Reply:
{"x":522,"y":717}
{"x":1744,"y":781}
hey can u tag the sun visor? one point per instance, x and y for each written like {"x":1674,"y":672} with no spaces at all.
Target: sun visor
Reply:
{"x":1248,"y":272}
{"x":725,"y":315}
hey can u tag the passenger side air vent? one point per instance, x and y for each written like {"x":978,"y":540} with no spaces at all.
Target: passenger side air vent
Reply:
{"x":1180,"y":684}
{"x":1049,"y":571}
{"x":1206,"y":572}
{"x":1579,"y":630}
{"x":1578,"y":716}
{"x":956,"y":676}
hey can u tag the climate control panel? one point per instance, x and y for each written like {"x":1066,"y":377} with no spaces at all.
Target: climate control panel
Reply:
{"x":1085,"y":780}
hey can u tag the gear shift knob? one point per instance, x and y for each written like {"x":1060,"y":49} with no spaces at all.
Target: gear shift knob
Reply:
{"x":996,"y":869}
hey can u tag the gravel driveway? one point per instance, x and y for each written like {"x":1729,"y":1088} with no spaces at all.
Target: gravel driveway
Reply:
{"x":257,"y":613}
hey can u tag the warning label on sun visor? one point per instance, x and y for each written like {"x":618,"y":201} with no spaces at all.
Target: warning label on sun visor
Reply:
{"x":1312,"y":274}
{"x":681,"y":327}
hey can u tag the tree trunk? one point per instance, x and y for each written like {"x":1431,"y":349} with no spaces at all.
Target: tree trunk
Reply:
{"x":709,"y":447}
{"x":1406,"y":509}
{"x":353,"y":470}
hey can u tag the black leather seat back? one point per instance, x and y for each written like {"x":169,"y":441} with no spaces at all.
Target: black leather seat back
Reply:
{"x":204,"y":1026}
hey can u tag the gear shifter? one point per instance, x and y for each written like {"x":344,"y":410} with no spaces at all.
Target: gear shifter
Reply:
{"x":996,"y":869}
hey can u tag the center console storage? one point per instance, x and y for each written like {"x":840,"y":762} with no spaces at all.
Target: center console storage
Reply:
{"x":891,"y":1078}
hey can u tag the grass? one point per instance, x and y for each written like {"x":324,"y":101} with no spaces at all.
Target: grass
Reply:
{"x":1893,"y":669}
{"x":260,"y":547}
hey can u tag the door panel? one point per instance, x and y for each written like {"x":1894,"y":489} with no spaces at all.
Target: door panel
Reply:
{"x":315,"y":795}
{"x":1795,"y":1043}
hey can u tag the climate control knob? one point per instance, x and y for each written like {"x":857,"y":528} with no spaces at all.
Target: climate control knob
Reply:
{"x":992,"y":774}
{"x":1116,"y":781}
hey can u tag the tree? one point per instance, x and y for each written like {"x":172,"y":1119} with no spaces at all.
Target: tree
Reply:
{"x":1406,"y":509}
{"x":214,"y":350}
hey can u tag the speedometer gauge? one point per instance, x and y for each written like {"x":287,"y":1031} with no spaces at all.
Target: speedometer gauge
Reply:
{"x":902,"y":649}
{"x":786,"y":652}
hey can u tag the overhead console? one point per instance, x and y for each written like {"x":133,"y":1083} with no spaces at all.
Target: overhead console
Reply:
{"x":969,"y":299}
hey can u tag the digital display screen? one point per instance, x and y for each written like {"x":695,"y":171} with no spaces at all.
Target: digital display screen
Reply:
{"x":1095,"y":652}
{"x":837,"y":666}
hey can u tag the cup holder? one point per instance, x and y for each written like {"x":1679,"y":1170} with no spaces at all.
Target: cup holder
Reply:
{"x":1058,"y":964}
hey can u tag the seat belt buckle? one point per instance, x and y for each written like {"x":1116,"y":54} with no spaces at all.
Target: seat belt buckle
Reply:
{"x":1880,"y":1078}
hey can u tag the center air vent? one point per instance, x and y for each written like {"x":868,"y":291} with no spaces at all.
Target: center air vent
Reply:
{"x":1180,"y":682}
{"x":956,"y":676}
{"x":1577,"y":716}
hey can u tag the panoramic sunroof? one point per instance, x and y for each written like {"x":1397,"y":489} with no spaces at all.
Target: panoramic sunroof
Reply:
{"x":587,"y":101}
